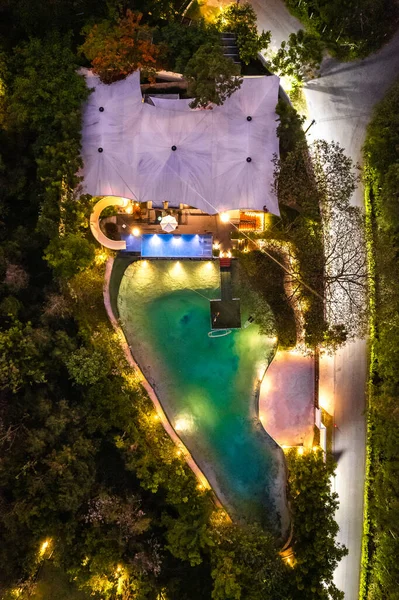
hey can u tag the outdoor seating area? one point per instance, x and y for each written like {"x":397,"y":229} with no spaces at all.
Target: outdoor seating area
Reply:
{"x":134,"y":221}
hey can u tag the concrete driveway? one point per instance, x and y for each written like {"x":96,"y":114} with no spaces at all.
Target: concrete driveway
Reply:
{"x":342,"y":99}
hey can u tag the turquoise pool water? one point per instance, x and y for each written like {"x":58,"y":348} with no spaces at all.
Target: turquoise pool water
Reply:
{"x":206,"y":385}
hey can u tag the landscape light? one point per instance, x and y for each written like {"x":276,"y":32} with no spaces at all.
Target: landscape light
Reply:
{"x":129,"y":209}
{"x":224,"y":217}
{"x":136,"y":231}
{"x":44,"y":547}
{"x":183,"y":424}
{"x":300,"y":450}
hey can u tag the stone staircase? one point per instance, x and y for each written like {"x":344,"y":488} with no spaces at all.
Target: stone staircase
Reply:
{"x":229,"y":44}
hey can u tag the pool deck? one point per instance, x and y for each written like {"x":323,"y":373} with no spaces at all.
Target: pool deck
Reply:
{"x":286,"y":400}
{"x":191,"y":223}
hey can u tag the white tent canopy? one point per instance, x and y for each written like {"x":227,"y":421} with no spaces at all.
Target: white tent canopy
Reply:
{"x":214,"y":160}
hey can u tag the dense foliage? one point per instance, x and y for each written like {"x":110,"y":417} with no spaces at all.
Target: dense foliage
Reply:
{"x":241,"y":19}
{"x":316,"y":552}
{"x":120,"y":45}
{"x":42,"y":113}
{"x":315,"y":250}
{"x":116,"y":49}
{"x":323,"y":235}
{"x":349,"y":29}
{"x":381,"y":151}
{"x":183,"y":42}
{"x":300,"y":57}
{"x":212,"y":77}
{"x":254,"y":265}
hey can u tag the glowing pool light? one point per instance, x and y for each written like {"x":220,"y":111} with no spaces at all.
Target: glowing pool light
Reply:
{"x":155,"y":240}
{"x":184,"y":424}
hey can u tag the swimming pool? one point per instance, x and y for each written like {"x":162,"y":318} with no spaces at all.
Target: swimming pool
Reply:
{"x":176,"y":246}
{"x":206,"y":385}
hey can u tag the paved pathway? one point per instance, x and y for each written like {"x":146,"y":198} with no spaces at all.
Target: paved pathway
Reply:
{"x":349,"y":377}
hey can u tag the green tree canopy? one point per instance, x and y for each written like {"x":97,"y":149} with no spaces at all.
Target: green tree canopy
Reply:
{"x":300,"y":57}
{"x":212,"y":77}
{"x":182,"y":42}
{"x":87,"y":368}
{"x":241,"y":19}
{"x":44,"y":96}
{"x":21,"y":360}
{"x":314,"y":504}
{"x":69,"y":254}
{"x":246,"y":564}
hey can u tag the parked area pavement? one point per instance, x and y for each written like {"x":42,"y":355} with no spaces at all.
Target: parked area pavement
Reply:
{"x":286,"y":399}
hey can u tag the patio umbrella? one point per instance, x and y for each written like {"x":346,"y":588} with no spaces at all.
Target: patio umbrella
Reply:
{"x":168,"y":223}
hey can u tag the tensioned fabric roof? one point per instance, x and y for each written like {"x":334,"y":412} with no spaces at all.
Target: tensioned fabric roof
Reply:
{"x":214,"y":160}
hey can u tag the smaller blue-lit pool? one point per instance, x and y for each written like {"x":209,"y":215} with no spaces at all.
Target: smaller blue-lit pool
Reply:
{"x":167,"y":245}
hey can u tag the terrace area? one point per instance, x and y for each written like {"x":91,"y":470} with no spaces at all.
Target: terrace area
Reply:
{"x":134,"y":222}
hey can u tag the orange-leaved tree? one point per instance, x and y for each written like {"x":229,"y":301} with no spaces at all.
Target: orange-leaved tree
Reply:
{"x":117,"y":49}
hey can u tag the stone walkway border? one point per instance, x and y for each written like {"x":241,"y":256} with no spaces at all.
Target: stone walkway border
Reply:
{"x":203,"y":481}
